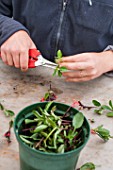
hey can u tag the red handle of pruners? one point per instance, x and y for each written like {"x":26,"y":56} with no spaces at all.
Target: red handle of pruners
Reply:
{"x":34,"y":53}
{"x":33,"y":57}
{"x":31,"y":63}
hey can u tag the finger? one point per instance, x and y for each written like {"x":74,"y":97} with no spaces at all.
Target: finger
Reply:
{"x":16,"y":60}
{"x":24,"y":57}
{"x":10,"y":59}
{"x":75,"y":65}
{"x":83,"y":79}
{"x":4,"y":57}
{"x":75,"y":58}
{"x":76,"y":74}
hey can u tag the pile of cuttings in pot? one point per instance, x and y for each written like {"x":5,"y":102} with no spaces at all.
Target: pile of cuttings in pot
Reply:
{"x":51,"y":132}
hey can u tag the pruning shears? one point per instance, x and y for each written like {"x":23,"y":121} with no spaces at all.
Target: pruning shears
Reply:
{"x":36,"y":59}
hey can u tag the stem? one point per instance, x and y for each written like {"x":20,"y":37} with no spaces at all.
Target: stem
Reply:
{"x":39,"y":143}
{"x":85,"y":107}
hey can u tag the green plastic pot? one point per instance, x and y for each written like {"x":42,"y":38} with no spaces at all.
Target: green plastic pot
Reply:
{"x":32,"y":159}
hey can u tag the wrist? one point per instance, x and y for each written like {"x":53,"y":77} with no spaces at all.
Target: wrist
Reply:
{"x":108,"y":60}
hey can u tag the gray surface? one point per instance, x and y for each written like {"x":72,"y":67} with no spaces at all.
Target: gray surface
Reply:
{"x":19,"y":89}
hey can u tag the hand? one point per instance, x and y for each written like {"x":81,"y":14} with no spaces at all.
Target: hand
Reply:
{"x":87,"y":66}
{"x":15,"y":50}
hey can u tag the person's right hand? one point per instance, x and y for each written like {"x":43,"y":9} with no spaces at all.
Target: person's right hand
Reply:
{"x":15,"y":50}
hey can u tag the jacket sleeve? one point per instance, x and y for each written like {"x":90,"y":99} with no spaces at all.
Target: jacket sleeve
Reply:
{"x":8,"y":25}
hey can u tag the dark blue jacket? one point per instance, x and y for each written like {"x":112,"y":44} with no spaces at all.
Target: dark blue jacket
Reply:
{"x":74,"y":26}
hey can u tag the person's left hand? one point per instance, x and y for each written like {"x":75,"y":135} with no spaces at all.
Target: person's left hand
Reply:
{"x":87,"y":66}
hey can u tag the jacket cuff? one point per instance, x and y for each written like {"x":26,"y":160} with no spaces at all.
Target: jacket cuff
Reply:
{"x":109,"y":47}
{"x":8,"y":27}
{"x":11,"y":33}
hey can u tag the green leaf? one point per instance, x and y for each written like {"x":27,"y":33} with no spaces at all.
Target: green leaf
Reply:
{"x":41,"y":110}
{"x":43,"y":149}
{"x":58,"y":70}
{"x":55,"y":137}
{"x":109,"y":114}
{"x":1,"y":106}
{"x":59,"y":73}
{"x":25,"y":140}
{"x":63,"y":69}
{"x":11,"y":124}
{"x":110,"y":103}
{"x":99,"y":111}
{"x":105,"y":107}
{"x":48,"y":105}
{"x":40,"y":128}
{"x":51,"y":122}
{"x":71,"y":135}
{"x":60,"y":140}
{"x":53,"y":109}
{"x":103,"y":133}
{"x":34,"y":137}
{"x":46,"y":96}
{"x":52,"y":113}
{"x":6,"y":113}
{"x":44,"y":134}
{"x":88,"y":166}
{"x":37,"y":114}
{"x":78,"y":120}
{"x":24,"y":136}
{"x":96,"y":103}
{"x":55,"y":71}
{"x":59,"y":54}
{"x":9,"y":113}
{"x":28,"y":121}
{"x":61,"y":148}
{"x":51,"y":132}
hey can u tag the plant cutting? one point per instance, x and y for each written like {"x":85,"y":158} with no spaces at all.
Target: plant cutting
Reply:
{"x":51,"y":136}
{"x":102,"y":133}
{"x":100,"y":109}
{"x":10,"y":114}
{"x":49,"y":95}
{"x":88,"y":166}
{"x":7,"y":113}
{"x":58,"y":70}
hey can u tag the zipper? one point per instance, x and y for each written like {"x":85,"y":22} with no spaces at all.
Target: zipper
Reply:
{"x":60,"y":24}
{"x":90,"y":2}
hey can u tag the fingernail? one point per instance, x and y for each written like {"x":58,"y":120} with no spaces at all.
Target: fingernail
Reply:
{"x":23,"y":70}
